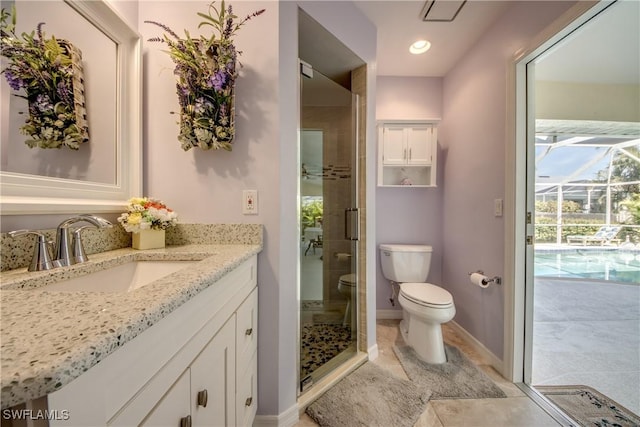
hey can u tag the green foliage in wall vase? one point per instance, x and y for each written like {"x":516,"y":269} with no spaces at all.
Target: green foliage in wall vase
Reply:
{"x":47,"y":72}
{"x":205,"y":69}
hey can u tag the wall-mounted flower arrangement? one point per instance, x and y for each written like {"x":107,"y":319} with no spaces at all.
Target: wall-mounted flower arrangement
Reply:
{"x":206,"y":70}
{"x":49,"y":71}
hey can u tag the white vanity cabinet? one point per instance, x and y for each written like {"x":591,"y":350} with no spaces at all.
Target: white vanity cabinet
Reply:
{"x":202,"y":395}
{"x":407,"y":153}
{"x":195,"y":367}
{"x":174,"y":405}
{"x":247,"y":361}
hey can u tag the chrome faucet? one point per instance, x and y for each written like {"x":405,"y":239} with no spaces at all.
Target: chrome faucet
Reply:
{"x":69,"y":249}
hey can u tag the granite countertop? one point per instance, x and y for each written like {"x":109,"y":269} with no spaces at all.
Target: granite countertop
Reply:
{"x":51,"y":337}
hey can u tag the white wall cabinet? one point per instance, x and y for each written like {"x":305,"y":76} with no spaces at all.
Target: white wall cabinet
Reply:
{"x":407,"y":153}
{"x":196,"y":367}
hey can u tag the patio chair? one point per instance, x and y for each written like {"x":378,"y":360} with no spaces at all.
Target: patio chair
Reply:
{"x":604,"y":236}
{"x":314,"y":243}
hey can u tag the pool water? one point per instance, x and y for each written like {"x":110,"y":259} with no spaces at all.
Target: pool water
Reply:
{"x":616,"y":265}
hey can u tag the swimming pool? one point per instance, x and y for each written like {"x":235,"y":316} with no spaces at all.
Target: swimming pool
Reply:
{"x":616,"y":265}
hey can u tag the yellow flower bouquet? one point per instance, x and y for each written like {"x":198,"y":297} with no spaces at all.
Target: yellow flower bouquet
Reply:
{"x":146,"y":213}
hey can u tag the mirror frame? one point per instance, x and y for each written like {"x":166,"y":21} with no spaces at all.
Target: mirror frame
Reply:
{"x":31,"y":194}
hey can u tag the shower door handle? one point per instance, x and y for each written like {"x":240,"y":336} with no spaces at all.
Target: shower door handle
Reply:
{"x":350,"y":225}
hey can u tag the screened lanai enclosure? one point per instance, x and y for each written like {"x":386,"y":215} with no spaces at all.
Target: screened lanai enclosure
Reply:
{"x":587,"y":182}
{"x":587,"y":258}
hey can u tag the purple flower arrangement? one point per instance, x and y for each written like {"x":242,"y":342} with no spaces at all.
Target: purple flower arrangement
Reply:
{"x":47,"y":72}
{"x":205,"y":70}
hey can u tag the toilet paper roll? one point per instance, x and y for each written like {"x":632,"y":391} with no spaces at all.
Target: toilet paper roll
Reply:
{"x":342,"y":256}
{"x":479,"y":280}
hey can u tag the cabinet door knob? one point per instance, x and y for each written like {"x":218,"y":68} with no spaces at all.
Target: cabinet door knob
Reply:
{"x":248,"y":401}
{"x":248,"y":331}
{"x":203,"y":396}
{"x":185,"y":421}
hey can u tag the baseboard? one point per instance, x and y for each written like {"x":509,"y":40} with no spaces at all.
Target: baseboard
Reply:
{"x":373,"y":352}
{"x":389,"y":314}
{"x":477,"y":346}
{"x":286,"y":419}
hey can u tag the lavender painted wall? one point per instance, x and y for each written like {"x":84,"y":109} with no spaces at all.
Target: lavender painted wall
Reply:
{"x":206,"y":186}
{"x":127,"y":9}
{"x":408,"y":215}
{"x":472,"y":134}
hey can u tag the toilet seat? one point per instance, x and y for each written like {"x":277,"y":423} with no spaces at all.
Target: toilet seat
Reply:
{"x":426,"y":295}
{"x":348,"y":280}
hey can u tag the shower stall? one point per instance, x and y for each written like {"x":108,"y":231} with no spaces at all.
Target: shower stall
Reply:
{"x":328,"y":224}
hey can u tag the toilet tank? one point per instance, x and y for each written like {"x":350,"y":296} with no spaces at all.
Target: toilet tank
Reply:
{"x":405,"y":263}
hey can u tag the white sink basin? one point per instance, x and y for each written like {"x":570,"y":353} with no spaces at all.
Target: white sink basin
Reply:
{"x":122,"y":278}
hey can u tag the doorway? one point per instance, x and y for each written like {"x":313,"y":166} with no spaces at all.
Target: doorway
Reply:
{"x":580,"y":297}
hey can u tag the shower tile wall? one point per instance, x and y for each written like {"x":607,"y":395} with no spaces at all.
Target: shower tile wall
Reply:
{"x":335,"y":123}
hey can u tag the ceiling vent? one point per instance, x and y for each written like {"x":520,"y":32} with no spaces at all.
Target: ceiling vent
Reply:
{"x":441,"y":10}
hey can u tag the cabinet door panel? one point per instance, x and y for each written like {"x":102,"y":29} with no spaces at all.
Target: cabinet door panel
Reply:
{"x":214,"y":371}
{"x":419,"y":145}
{"x":173,"y":406}
{"x":394,"y":149}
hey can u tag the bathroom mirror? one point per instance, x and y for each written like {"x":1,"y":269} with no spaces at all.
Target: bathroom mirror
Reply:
{"x":105,"y":171}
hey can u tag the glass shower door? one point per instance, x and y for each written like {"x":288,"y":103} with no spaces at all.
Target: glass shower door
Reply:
{"x":328,"y":224}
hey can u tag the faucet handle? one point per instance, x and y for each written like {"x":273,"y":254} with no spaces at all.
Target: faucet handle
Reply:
{"x":41,"y":259}
{"x":78,"y":249}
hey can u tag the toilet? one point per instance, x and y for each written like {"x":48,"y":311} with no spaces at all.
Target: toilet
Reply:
{"x":347,"y":286}
{"x":425,"y":307}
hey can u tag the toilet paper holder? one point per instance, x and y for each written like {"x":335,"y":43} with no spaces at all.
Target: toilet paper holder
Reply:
{"x":495,"y":279}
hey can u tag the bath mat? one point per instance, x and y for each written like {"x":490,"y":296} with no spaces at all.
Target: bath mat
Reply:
{"x":321,"y":343}
{"x":458,"y":378}
{"x":370,"y":397}
{"x":589,"y":407}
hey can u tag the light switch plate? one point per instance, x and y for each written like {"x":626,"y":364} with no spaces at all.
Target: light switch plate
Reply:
{"x":250,"y":202}
{"x":497,"y":207}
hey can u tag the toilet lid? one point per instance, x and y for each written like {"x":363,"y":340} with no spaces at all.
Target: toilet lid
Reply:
{"x":426,"y":294}
{"x":348,"y":279}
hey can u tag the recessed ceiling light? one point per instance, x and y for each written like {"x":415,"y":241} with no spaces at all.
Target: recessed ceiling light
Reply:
{"x":421,"y":46}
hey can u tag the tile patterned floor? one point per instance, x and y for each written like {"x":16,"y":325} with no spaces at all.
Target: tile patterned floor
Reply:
{"x":516,"y":410}
{"x":321,"y":343}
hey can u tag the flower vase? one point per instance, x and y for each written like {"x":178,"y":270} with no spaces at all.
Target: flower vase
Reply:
{"x":148,"y":239}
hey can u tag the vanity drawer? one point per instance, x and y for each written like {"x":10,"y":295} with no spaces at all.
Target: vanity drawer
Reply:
{"x":247,"y":393}
{"x":247,"y":329}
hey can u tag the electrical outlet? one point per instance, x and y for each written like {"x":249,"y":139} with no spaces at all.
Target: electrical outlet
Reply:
{"x":250,"y":202}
